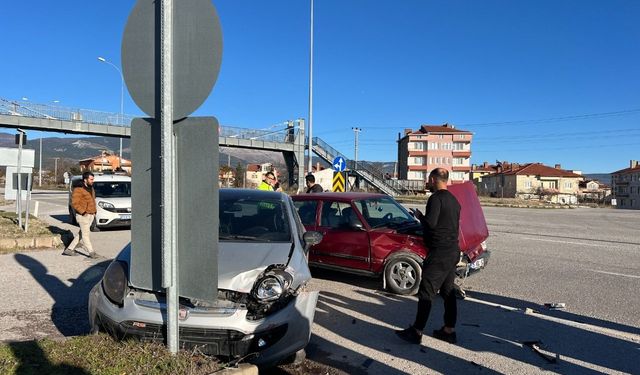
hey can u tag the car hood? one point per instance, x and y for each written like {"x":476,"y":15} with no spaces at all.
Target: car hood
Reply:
{"x":240,"y":263}
{"x":123,"y":202}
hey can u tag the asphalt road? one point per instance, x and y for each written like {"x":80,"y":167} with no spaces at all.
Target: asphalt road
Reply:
{"x":585,"y":258}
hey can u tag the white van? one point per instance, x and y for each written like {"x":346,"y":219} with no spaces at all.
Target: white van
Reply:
{"x":113,"y":200}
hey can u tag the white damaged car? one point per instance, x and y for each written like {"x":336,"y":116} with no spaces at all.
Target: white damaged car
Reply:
{"x":263,"y":313}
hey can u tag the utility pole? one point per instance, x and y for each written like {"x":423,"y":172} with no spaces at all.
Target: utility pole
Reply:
{"x":55,"y":173}
{"x":356,"y":131}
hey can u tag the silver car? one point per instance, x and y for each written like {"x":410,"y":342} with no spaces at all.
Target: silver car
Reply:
{"x":263,"y":313}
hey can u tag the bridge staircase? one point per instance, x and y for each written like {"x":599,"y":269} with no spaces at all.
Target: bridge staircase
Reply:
{"x":362,"y":169}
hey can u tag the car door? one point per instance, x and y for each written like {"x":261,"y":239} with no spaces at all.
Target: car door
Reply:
{"x":345,"y":243}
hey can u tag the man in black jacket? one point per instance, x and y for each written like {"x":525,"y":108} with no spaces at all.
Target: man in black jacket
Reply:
{"x":440,"y":224}
{"x":312,"y":187}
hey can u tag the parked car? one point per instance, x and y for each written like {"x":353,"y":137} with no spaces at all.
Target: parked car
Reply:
{"x":113,"y":200}
{"x":262,"y":312}
{"x":372,"y":234}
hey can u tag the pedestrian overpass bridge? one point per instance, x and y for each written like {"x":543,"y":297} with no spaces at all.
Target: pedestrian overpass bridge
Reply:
{"x":288,"y":138}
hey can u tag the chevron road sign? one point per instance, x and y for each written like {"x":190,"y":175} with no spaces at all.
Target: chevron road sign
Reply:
{"x":338,"y":182}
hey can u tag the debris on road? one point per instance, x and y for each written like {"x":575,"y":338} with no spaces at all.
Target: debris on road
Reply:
{"x":555,"y":305}
{"x":536,"y":346}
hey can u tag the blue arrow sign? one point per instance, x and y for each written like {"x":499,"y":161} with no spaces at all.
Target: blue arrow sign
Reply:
{"x":339,"y":164}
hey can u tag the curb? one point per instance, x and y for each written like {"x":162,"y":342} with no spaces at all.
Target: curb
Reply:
{"x":30,"y":242}
{"x":241,"y":369}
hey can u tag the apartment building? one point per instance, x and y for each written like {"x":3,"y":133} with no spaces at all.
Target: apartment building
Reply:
{"x":433,"y":146}
{"x":532,"y":181}
{"x":626,"y":186}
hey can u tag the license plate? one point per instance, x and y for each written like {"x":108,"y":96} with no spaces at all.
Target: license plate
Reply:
{"x":125,"y":217}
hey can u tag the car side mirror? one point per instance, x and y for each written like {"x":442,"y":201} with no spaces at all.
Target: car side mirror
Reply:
{"x":311,"y":238}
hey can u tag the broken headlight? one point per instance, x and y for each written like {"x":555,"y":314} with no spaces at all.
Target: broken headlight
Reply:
{"x":114,"y":282}
{"x":270,"y":292}
{"x":271,"y":285}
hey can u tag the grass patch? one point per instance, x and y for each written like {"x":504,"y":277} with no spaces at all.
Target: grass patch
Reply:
{"x":9,"y":226}
{"x":99,"y":354}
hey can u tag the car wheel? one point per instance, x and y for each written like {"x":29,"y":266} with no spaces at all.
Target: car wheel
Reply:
{"x":402,"y":274}
{"x":94,"y":226}
{"x":72,"y":216}
{"x":295,"y":358}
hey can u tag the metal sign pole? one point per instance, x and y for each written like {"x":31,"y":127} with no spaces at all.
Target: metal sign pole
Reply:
{"x":19,"y":195}
{"x":169,"y":251}
{"x":26,"y":215}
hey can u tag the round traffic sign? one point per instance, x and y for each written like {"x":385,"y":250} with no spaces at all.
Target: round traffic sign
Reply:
{"x":197,"y":55}
{"x":339,"y":164}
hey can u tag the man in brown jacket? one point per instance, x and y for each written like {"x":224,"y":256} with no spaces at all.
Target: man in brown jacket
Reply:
{"x":83,"y":201}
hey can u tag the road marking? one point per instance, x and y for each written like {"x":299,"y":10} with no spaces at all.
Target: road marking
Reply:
{"x":569,"y":242}
{"x":627,"y":336}
{"x":615,"y":274}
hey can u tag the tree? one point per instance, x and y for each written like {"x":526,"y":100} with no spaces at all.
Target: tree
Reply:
{"x":239,"y":175}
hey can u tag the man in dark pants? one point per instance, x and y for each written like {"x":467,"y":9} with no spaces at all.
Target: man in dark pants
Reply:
{"x":440,"y":223}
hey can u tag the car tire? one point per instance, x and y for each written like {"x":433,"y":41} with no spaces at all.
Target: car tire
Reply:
{"x":72,"y":216}
{"x":94,"y":226}
{"x":403,"y":274}
{"x":295,"y":358}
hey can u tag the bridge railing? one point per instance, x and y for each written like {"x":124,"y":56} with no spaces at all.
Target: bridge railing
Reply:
{"x":287,"y":135}
{"x":55,"y":112}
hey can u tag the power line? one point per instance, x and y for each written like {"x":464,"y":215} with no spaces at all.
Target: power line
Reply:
{"x":570,"y":137}
{"x":586,"y":116}
{"x":592,"y":147}
{"x":557,"y":119}
{"x":552,"y":135}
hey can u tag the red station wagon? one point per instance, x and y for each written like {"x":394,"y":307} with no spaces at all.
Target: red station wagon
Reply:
{"x":372,"y":234}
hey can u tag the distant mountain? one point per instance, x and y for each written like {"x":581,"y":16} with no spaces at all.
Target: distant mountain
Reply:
{"x":602,"y":177}
{"x":71,"y":150}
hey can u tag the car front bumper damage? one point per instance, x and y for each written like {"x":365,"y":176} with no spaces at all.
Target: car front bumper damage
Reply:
{"x":226,"y":333}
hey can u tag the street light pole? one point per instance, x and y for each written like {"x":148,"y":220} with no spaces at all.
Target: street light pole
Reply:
{"x":311,"y":94}
{"x":121,"y":120}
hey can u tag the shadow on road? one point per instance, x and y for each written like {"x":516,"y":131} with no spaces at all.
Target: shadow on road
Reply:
{"x":562,"y":314}
{"x":482,"y":328}
{"x":69,"y":311}
{"x":347,"y":278}
{"x":34,"y":361}
{"x":63,"y":218}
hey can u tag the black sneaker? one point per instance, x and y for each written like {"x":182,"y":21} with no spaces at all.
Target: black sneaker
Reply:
{"x":69,"y":252}
{"x":440,"y":334}
{"x":410,"y":335}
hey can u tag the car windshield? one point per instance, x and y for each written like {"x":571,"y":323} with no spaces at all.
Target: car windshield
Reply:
{"x":251,"y":219}
{"x":113,"y":189}
{"x":384,"y":212}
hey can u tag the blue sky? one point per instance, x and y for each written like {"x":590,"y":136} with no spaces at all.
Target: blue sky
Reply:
{"x":550,"y":81}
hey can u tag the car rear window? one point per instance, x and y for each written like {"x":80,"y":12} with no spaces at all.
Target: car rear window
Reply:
{"x":249,"y":219}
